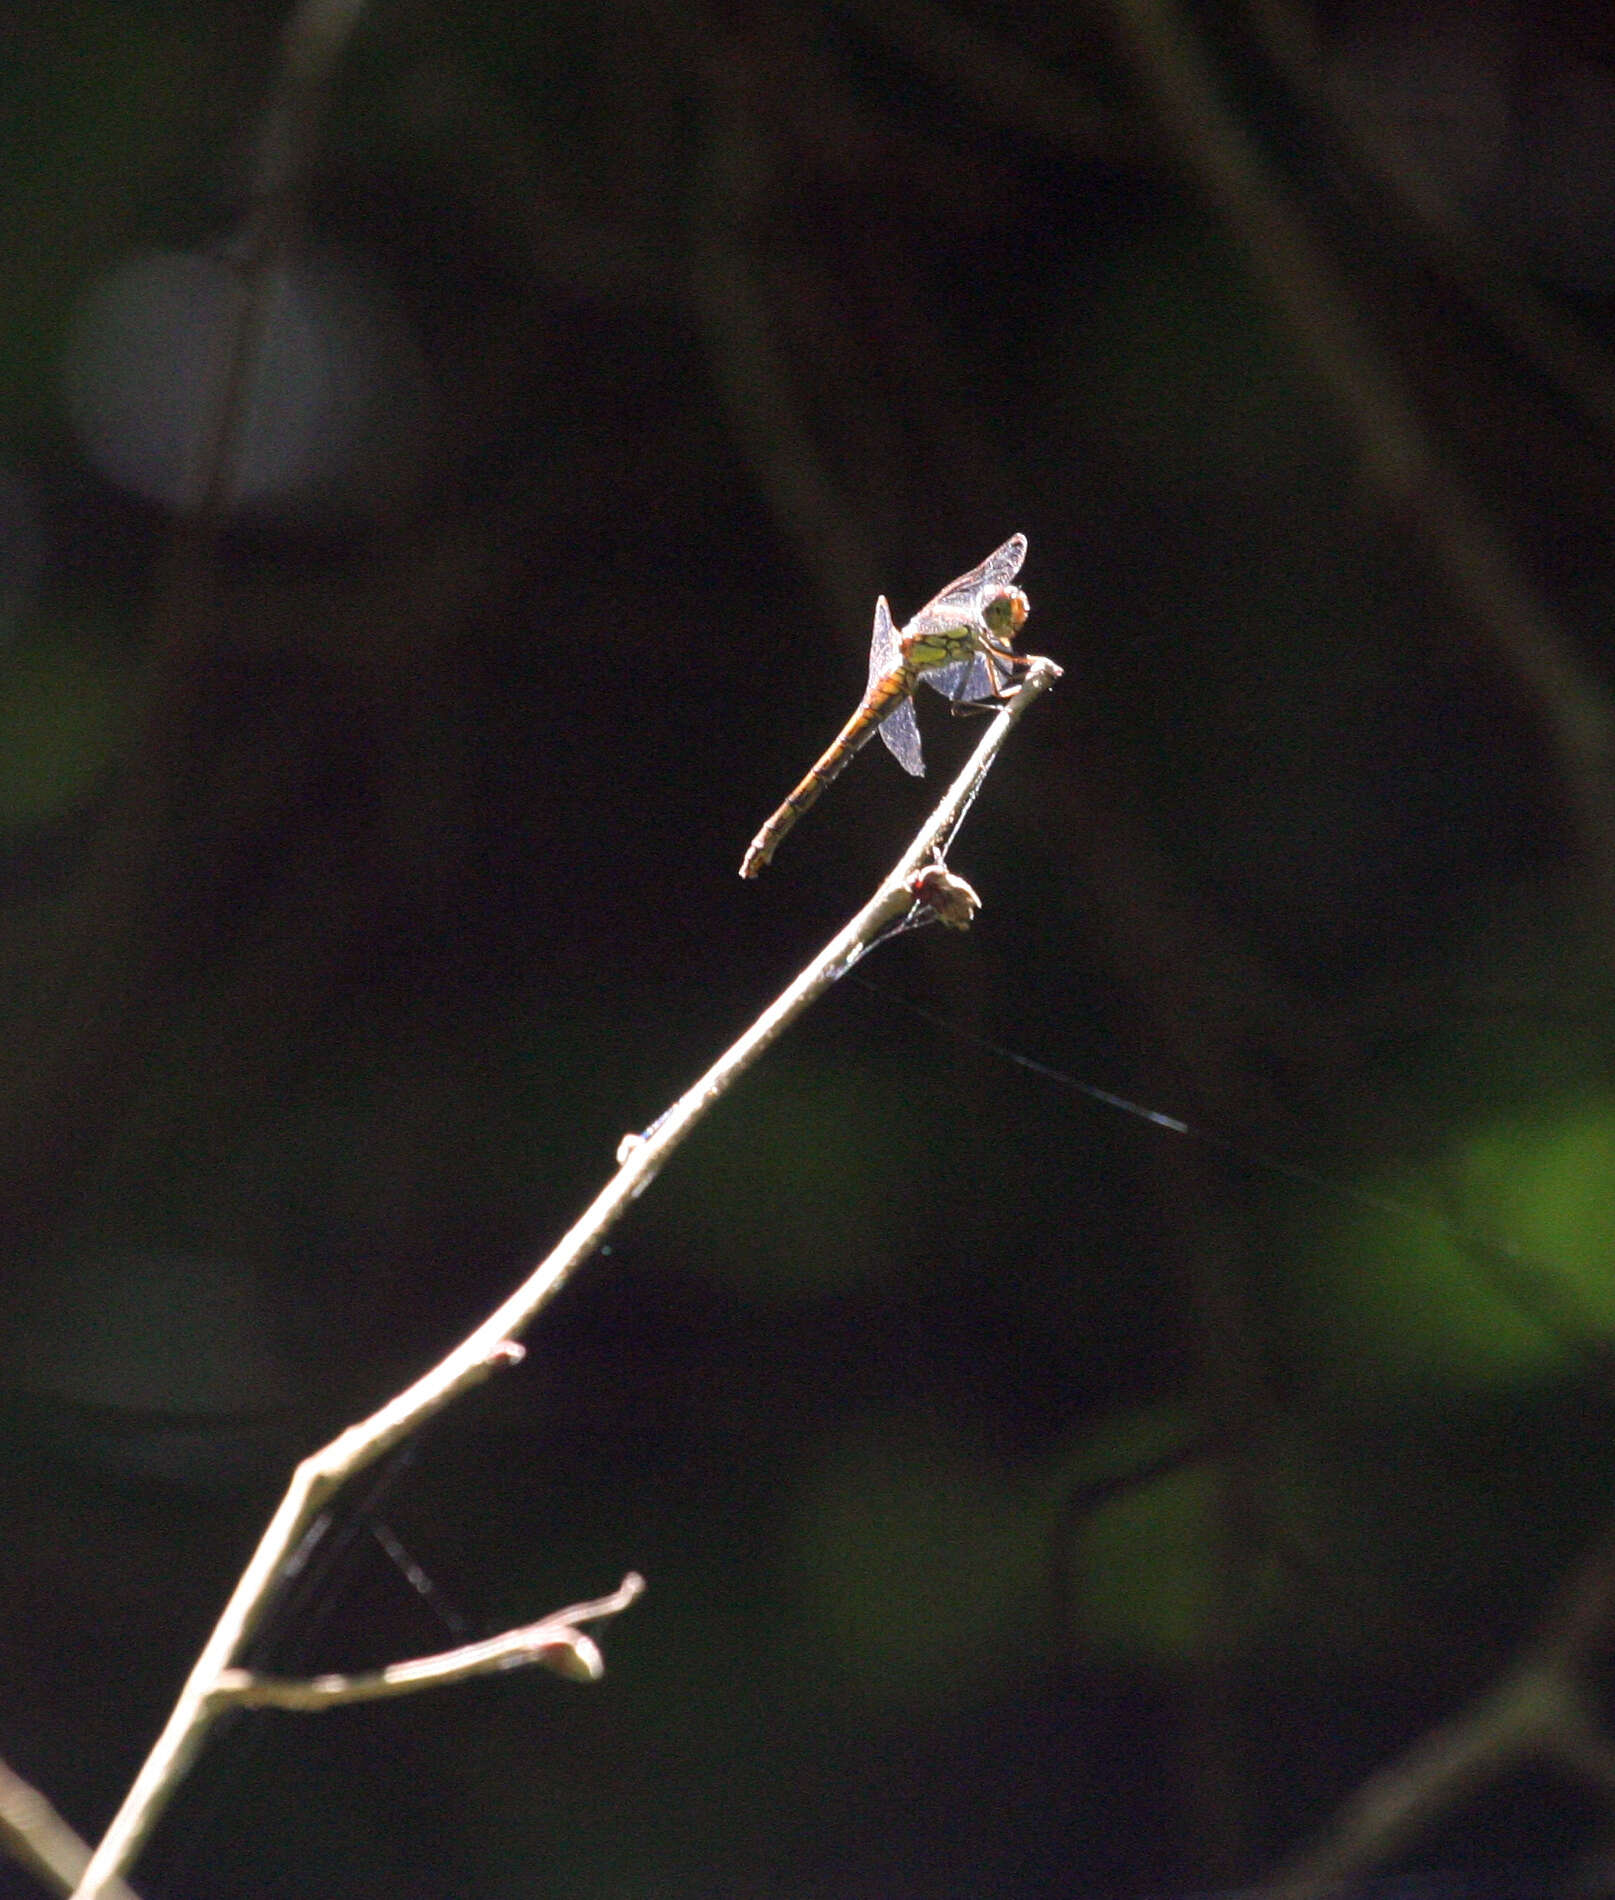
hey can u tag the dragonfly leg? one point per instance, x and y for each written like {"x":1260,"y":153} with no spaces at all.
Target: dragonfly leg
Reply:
{"x":1005,"y":689}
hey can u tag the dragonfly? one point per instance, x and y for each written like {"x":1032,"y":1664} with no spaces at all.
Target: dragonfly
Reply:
{"x":960,"y":643}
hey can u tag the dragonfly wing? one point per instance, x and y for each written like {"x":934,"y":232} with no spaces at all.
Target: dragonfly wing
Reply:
{"x":961,"y":601}
{"x":902,"y":735}
{"x":968,"y":682}
{"x":884,"y":656}
{"x":1002,"y":565}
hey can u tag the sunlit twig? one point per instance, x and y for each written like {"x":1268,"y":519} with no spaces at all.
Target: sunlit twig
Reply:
{"x":37,"y":1837}
{"x":494,"y":1343}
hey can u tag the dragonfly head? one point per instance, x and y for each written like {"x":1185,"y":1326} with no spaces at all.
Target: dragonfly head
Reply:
{"x":1005,"y":614}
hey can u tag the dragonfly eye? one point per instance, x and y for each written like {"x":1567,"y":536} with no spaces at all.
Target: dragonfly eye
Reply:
{"x":1006,"y":613}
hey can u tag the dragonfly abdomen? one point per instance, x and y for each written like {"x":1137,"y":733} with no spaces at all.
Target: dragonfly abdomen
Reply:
{"x":879,"y":704}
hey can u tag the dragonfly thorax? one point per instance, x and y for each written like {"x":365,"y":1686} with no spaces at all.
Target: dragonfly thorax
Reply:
{"x":938,"y":646}
{"x":925,"y":645}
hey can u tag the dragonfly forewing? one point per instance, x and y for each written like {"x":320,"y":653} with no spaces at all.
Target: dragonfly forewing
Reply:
{"x":898,"y":728}
{"x":884,"y":656}
{"x":961,"y":602}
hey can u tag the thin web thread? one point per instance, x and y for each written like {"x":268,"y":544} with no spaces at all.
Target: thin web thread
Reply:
{"x":1528,"y":1282}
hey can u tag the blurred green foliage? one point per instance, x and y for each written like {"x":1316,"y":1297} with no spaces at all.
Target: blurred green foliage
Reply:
{"x":1496,"y":1274}
{"x":924,"y":1566}
{"x":67,"y":703}
{"x":1142,"y":1559}
{"x":1548,"y":1183}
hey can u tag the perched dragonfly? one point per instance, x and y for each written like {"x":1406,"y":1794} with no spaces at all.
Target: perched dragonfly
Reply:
{"x":959,"y":643}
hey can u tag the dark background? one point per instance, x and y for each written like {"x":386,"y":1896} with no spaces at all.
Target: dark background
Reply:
{"x":1032,"y":1500}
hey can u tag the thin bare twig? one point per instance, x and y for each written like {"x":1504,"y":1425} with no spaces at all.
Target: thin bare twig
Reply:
{"x":492,"y":1344}
{"x":556,"y":1642}
{"x":37,"y":1837}
{"x":313,"y":44}
{"x":1539,"y":1709}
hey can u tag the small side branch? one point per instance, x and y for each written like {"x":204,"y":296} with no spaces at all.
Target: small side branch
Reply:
{"x":557,"y":1643}
{"x":1542,"y":1708}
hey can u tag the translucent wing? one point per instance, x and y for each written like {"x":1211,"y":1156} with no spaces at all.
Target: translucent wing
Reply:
{"x":962,"y":600}
{"x":902,"y":736}
{"x":884,"y":656}
{"x":898,"y":729}
{"x":965,"y":682}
